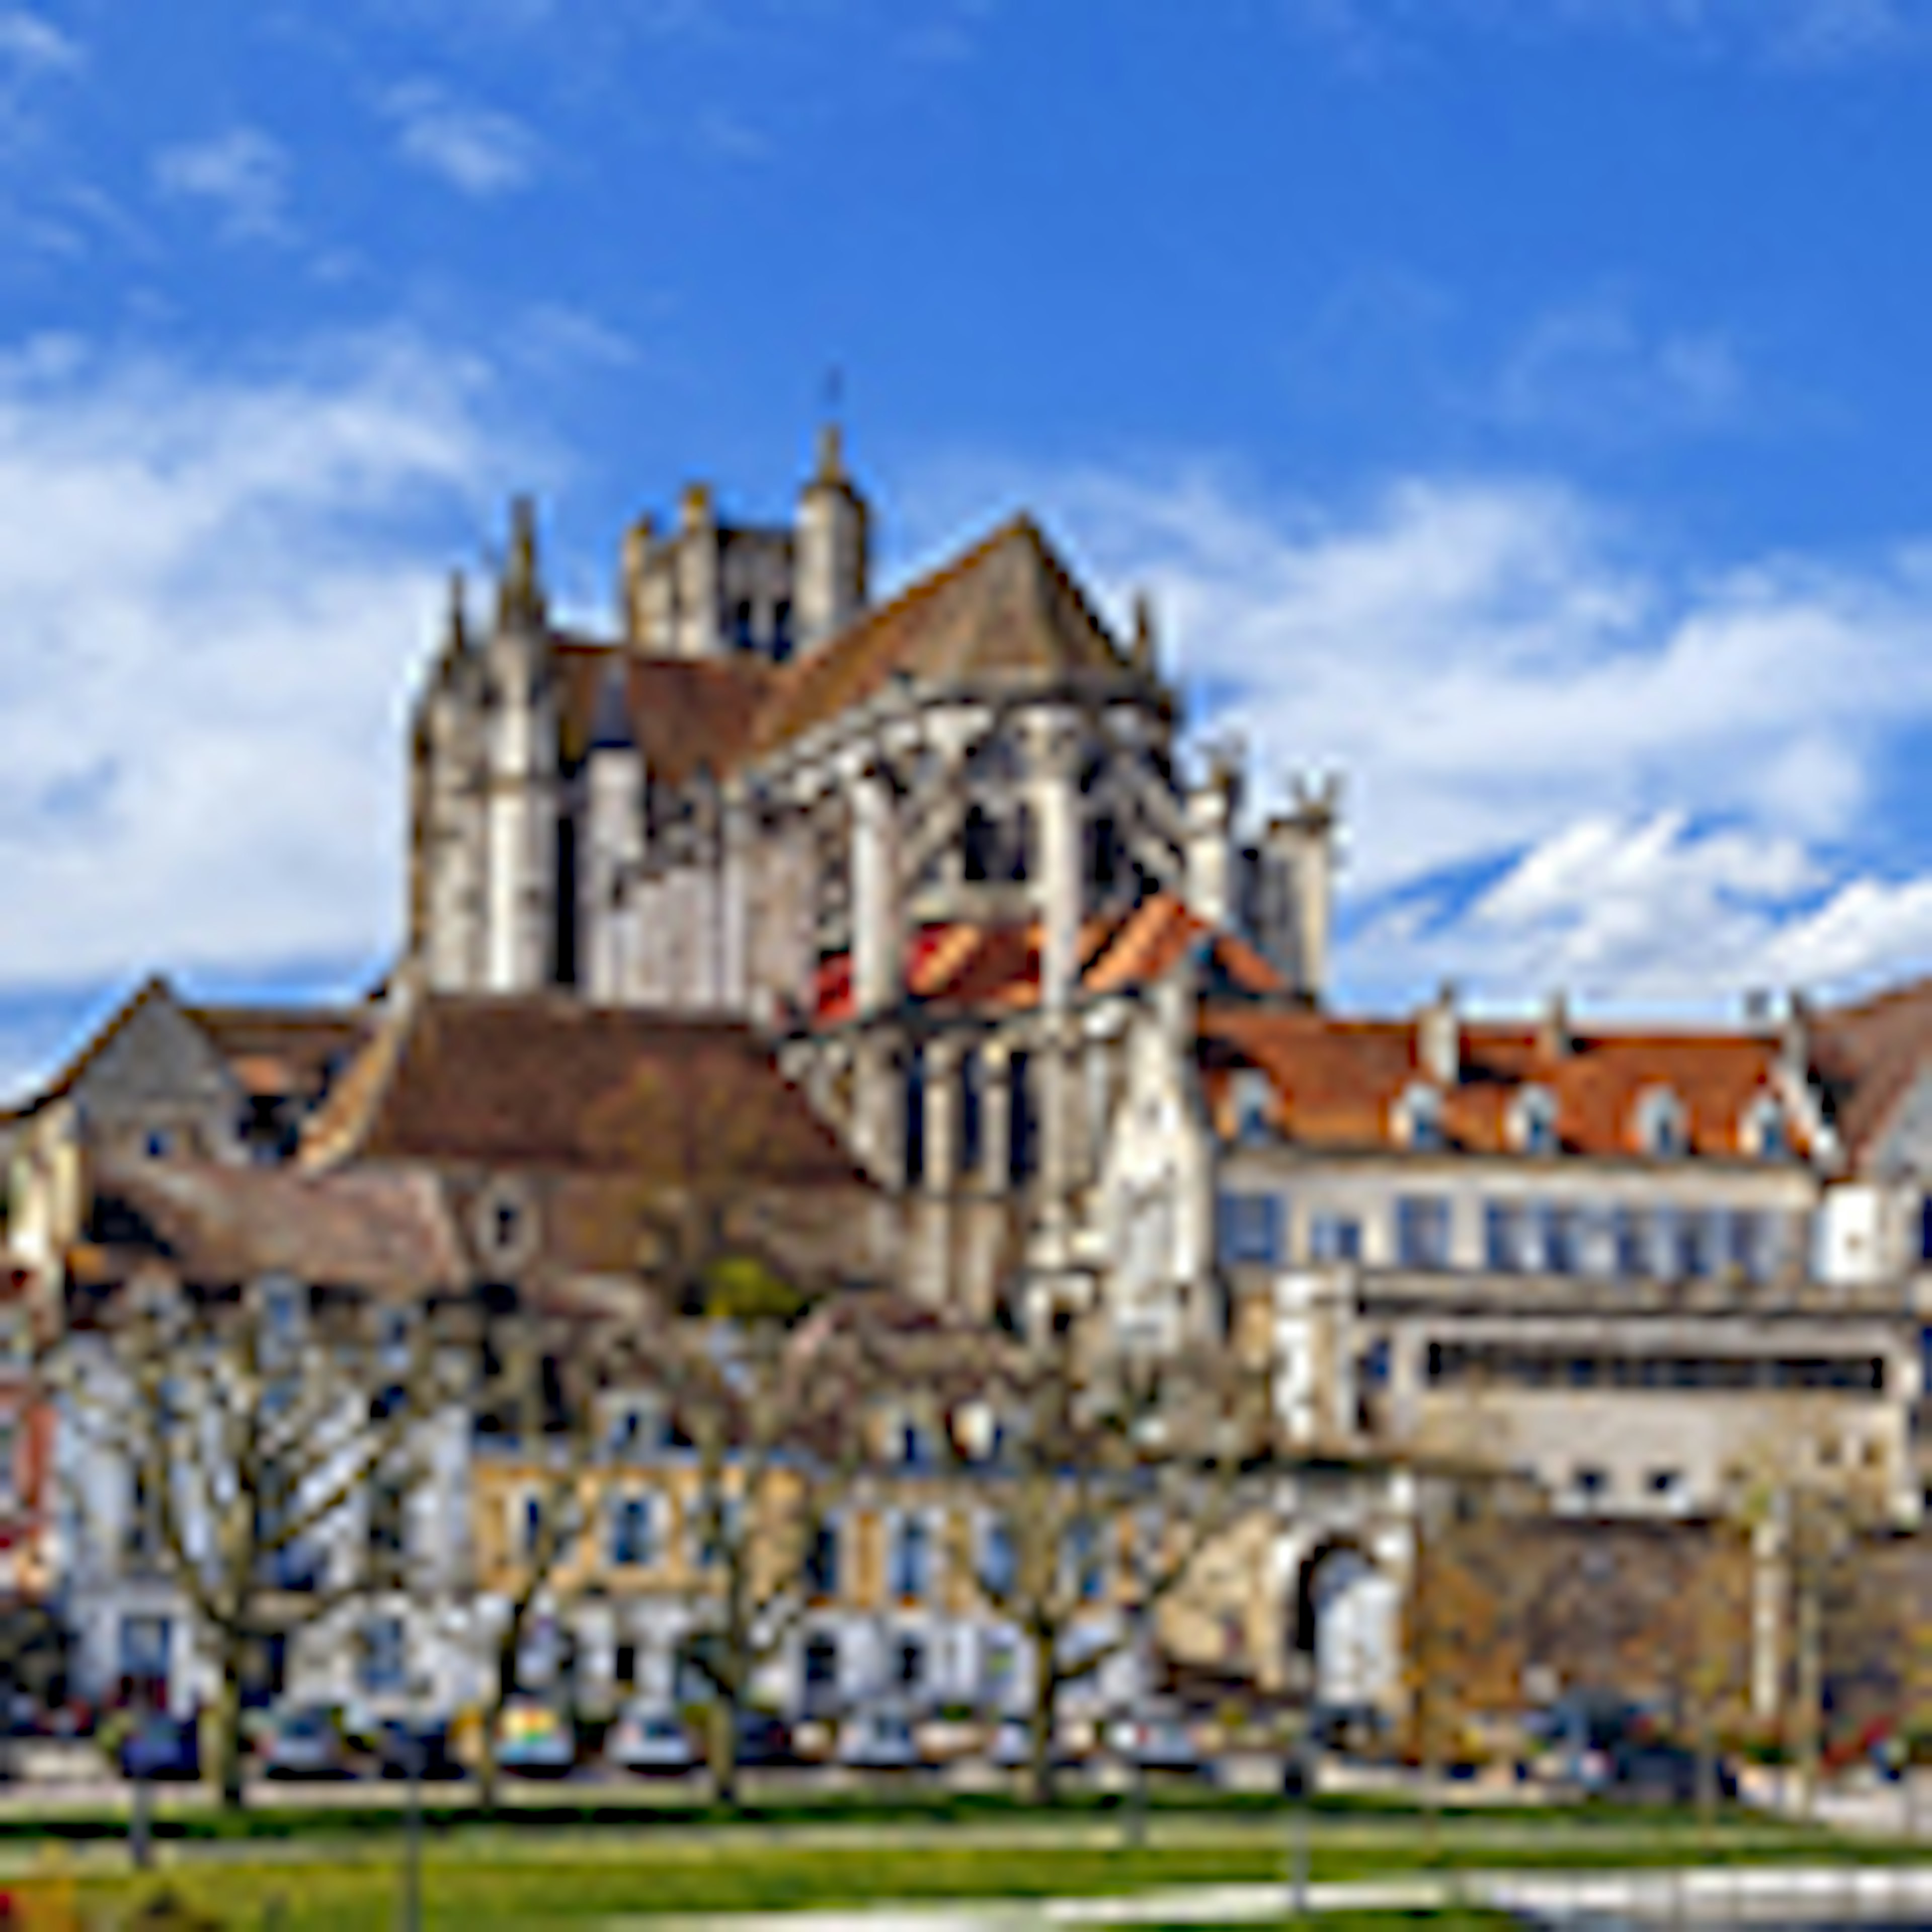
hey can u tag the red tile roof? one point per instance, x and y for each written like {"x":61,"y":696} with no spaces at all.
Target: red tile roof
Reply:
{"x":966,"y":967}
{"x":1336,"y":1083}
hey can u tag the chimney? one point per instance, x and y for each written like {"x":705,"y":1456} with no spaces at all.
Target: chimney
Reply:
{"x":1291,"y":887}
{"x":640,"y":541}
{"x":1554,"y":1040}
{"x":1211,"y":808}
{"x":1439,"y":1038}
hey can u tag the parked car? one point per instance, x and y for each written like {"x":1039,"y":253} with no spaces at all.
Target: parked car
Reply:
{"x":878,"y":1741}
{"x":161,"y":1746}
{"x":647,"y":1741}
{"x":764,"y":1739}
{"x":1010,"y":1747}
{"x":390,"y":1742}
{"x":1652,"y":1771}
{"x":306,"y":1741}
{"x":1159,"y":1742}
{"x":535,"y":1741}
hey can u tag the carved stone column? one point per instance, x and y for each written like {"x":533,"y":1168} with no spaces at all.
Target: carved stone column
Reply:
{"x":878,"y":953}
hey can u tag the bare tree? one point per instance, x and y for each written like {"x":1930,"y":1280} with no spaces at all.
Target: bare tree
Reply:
{"x":1111,"y":1476}
{"x":244,"y":1429}
{"x":774,"y":1415}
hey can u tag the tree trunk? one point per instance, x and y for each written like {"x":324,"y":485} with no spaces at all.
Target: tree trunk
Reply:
{"x":724,"y":1742}
{"x":228,"y":1722}
{"x":1040,"y":1768}
{"x":489,"y":1773}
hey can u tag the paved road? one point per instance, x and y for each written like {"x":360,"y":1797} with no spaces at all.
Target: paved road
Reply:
{"x":1762,"y":1899}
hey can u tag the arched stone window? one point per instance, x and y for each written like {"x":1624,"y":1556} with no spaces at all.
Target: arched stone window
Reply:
{"x":1417,"y":1121}
{"x":1532,"y":1121}
{"x":1659,"y":1123}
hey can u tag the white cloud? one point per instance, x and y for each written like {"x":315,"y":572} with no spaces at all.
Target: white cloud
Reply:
{"x":241,"y":174}
{"x":1589,"y":368}
{"x":219,"y":593}
{"x":1367,"y":33}
{"x":1672,"y":775}
{"x":475,"y":150}
{"x":30,"y":44}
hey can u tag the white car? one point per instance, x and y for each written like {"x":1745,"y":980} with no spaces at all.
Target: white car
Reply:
{"x":1155,"y":1742}
{"x":878,"y":1741}
{"x":645,"y":1740}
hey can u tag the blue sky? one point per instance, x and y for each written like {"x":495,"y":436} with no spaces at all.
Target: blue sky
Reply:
{"x":1517,"y":405}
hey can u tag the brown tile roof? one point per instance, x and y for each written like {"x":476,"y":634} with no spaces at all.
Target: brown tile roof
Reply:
{"x":1335,"y":1082}
{"x":278,"y":1050}
{"x":386,"y":1232}
{"x":970,"y":967}
{"x":1007,"y":612}
{"x":683,"y":712}
{"x":1868,"y":1056}
{"x":552,"y":1082}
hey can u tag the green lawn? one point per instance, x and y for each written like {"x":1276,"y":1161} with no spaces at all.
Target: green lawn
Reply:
{"x":483,"y":1883}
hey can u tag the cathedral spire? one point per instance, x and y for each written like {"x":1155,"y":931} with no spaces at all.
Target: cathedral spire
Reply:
{"x":520,"y":596}
{"x":456,"y":625}
{"x":1144,"y":646}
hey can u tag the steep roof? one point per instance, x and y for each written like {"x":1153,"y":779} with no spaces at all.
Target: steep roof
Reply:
{"x":1335,"y":1082}
{"x":683,"y":712}
{"x":276,"y":1050}
{"x":385,"y":1232}
{"x":1869,"y":1056}
{"x":1007,"y":611}
{"x":551,"y":1082}
{"x":965,"y":966}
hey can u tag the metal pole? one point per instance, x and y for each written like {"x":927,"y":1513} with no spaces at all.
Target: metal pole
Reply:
{"x":412,"y":1835}
{"x":140,"y":1828}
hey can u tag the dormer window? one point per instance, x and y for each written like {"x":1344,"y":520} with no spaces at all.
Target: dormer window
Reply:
{"x":1660,"y":1125}
{"x":1418,"y":1118}
{"x":1762,"y":1131}
{"x":1251,"y":1102}
{"x":1533,"y":1121}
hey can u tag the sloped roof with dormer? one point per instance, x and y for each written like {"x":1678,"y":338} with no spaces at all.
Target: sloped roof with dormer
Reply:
{"x":1336,"y":1083}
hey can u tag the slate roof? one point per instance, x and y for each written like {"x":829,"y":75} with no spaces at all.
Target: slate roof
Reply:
{"x":384,"y":1232}
{"x":1336,"y":1083}
{"x":964,"y":965}
{"x":1869,"y":1056}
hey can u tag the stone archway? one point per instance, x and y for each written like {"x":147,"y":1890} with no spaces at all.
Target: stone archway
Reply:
{"x":1347,"y":1627}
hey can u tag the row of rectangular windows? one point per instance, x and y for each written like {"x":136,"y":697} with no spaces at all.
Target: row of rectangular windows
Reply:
{"x":1664,"y":1242}
{"x":633,"y":1542}
{"x":1461,"y":1364}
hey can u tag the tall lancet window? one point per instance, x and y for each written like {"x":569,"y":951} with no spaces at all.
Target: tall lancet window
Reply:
{"x":1023,"y":1121}
{"x":971,"y":1137}
{"x":914,"y":1138}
